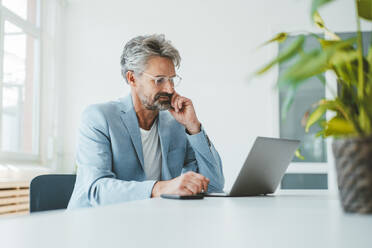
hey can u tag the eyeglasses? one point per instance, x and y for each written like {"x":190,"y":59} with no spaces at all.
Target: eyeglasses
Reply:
{"x":175,"y":80}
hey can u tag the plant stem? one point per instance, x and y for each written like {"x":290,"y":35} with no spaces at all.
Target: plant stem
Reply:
{"x":360,"y":56}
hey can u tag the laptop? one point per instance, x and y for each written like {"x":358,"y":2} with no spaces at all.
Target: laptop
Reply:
{"x":263,"y":168}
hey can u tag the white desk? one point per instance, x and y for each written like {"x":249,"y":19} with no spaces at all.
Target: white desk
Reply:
{"x":276,"y":221}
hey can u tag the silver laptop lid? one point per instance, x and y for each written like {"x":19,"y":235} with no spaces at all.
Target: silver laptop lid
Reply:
{"x":265,"y":166}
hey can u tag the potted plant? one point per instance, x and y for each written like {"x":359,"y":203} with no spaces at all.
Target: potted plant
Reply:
{"x":351,"y":125}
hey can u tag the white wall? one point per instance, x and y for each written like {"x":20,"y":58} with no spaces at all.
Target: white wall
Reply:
{"x":217,"y":41}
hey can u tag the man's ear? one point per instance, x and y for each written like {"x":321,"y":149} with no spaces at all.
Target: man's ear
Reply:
{"x":130,"y":78}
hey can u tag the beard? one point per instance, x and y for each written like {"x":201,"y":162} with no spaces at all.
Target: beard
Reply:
{"x":157,"y":103}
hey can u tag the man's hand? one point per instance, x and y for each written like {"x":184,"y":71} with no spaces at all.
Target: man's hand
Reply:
{"x":189,"y":183}
{"x":183,"y":111}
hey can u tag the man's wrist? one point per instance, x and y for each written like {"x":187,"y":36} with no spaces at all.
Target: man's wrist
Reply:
{"x":157,"y":189}
{"x":194,"y":128}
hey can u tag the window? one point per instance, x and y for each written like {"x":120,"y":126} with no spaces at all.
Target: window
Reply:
{"x":26,"y":9}
{"x":19,"y":74}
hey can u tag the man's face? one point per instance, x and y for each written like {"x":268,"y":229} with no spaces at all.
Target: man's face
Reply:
{"x":151,"y":95}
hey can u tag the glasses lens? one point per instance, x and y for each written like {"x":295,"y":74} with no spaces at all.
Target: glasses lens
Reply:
{"x":160,"y":80}
{"x":173,"y":80}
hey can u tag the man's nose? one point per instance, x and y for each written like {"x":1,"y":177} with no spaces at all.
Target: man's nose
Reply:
{"x":168,"y":87}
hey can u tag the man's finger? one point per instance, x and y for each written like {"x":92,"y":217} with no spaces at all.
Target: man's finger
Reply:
{"x":197,"y":183}
{"x":205,"y":185}
{"x":199,"y":176}
{"x":192,"y":187}
{"x":176,"y":103}
{"x":173,"y":100}
{"x":204,"y":180}
{"x":185,"y":191}
{"x":180,"y":102}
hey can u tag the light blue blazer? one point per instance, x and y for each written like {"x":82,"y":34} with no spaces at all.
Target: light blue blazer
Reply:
{"x":110,"y":161}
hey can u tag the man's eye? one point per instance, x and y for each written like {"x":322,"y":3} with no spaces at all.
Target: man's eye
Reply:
{"x":160,"y":80}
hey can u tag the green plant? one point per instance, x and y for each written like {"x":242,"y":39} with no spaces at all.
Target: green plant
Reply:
{"x":352,"y":104}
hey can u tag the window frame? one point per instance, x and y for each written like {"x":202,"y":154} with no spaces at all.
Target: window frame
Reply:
{"x":34,"y":31}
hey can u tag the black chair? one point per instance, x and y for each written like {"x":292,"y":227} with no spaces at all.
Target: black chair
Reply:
{"x":49,"y":192}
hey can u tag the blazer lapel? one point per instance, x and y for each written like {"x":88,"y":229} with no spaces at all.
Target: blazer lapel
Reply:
{"x":129,"y":118}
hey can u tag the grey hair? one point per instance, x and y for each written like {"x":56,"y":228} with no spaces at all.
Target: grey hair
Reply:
{"x":140,"y":49}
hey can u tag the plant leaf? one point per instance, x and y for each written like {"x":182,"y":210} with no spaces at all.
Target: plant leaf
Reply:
{"x":320,"y":24}
{"x":323,"y":106}
{"x":367,"y":108}
{"x":327,"y":43}
{"x":316,"y":4}
{"x":299,"y":155}
{"x":342,"y":56}
{"x":365,"y":9}
{"x":309,"y":65}
{"x":318,"y":20}
{"x":291,"y":92}
{"x":315,"y":116}
{"x":369,"y":59}
{"x":368,"y":104}
{"x":345,"y":74}
{"x":280,"y":37}
{"x":346,"y":44}
{"x":313,"y":63}
{"x":339,"y":127}
{"x":364,"y":121}
{"x":287,"y":54}
{"x":369,"y":56}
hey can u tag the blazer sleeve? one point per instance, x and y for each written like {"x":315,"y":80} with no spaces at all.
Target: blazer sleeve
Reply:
{"x":202,"y":157}
{"x":96,"y":183}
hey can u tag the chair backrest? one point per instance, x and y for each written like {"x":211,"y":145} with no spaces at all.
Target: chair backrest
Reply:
{"x":48,"y":192}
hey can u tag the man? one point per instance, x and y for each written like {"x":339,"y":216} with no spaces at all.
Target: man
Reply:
{"x":148,"y":143}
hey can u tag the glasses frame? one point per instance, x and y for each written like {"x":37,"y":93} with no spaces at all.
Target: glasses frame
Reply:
{"x":167,"y":79}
